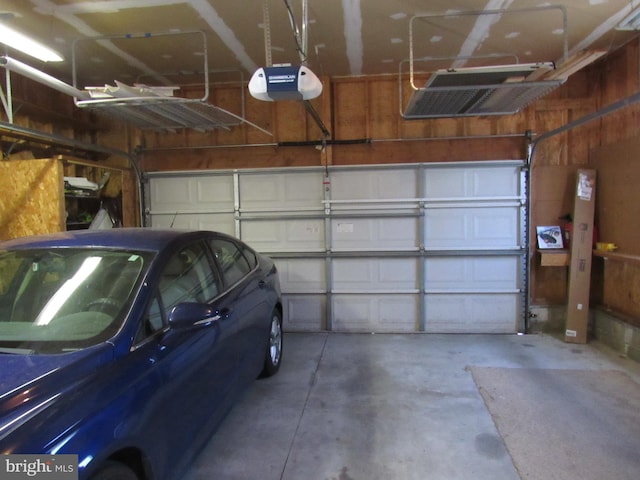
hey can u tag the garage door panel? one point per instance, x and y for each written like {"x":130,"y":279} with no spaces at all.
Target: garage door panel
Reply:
{"x":365,"y":184}
{"x":471,"y":182}
{"x":469,"y":228}
{"x":214,"y":192}
{"x":284,"y":235}
{"x":301,"y":275}
{"x":361,"y":234}
{"x":218,"y":222}
{"x":442,"y":227}
{"x":495,"y":181}
{"x":304,"y":313}
{"x":380,"y":313}
{"x":375,"y":274}
{"x":472,"y":273}
{"x":167,"y":194}
{"x":281,"y":191}
{"x":185,"y":194}
{"x":468,"y":313}
{"x":499,"y":226}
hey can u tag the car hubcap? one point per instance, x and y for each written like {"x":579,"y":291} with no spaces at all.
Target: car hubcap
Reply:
{"x":275,"y":341}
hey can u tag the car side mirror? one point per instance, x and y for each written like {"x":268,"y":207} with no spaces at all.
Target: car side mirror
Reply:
{"x":188,"y":314}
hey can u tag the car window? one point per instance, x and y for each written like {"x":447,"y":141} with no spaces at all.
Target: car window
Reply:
{"x":232,"y":263}
{"x":187,"y":277}
{"x":152,"y":322}
{"x":66,"y":298}
{"x":8,"y":274}
{"x":250,"y":256}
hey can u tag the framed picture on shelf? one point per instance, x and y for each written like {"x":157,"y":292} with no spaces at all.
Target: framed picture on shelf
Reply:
{"x":549,"y":237}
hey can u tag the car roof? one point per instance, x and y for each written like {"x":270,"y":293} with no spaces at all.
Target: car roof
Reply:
{"x":151,"y":239}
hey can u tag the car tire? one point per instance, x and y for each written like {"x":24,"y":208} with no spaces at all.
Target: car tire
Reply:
{"x":114,"y":471}
{"x":273,"y":355}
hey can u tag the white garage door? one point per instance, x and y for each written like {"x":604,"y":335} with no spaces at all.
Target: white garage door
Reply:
{"x":420,"y":247}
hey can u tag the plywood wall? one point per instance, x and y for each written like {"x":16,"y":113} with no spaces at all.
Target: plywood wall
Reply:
{"x":611,"y":145}
{"x":33,"y":198}
{"x":618,"y":212}
{"x":363,"y":115}
{"x":40,"y":108}
{"x":618,"y":220}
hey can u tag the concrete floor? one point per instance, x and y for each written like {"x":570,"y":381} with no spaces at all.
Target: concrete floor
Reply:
{"x":365,"y":407}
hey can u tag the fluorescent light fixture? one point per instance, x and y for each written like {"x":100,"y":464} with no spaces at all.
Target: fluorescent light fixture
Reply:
{"x":631,"y":21}
{"x":27,"y":45}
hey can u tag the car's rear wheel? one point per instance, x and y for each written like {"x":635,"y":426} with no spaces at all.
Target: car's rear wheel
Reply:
{"x":273,"y":357}
{"x":114,"y":471}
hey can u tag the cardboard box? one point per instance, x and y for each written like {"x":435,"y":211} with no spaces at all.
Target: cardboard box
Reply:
{"x":581,"y":252}
{"x":554,"y":258}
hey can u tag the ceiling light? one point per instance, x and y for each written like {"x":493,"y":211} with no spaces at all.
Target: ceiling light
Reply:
{"x":27,"y":45}
{"x":631,"y":21}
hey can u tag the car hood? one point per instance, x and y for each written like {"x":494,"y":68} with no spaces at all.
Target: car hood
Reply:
{"x":29,"y":383}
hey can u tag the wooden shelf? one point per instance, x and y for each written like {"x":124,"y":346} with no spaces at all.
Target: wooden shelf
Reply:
{"x":623,"y":257}
{"x":554,"y":257}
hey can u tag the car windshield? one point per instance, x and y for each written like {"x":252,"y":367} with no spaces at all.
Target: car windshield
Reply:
{"x":64,"y":299}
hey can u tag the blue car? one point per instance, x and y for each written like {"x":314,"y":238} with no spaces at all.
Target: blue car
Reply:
{"x":127,"y":347}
